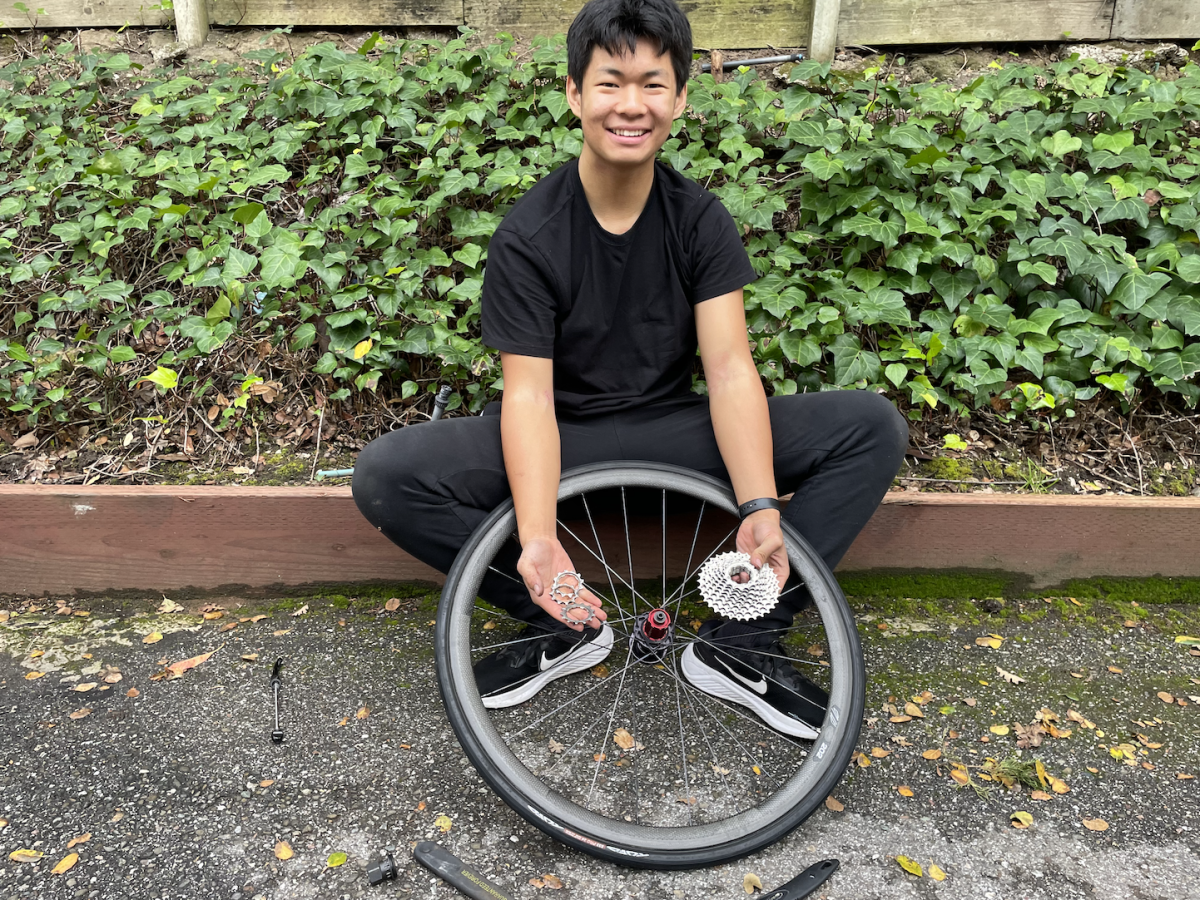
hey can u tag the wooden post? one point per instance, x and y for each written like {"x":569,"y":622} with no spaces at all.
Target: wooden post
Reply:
{"x":822,"y":41}
{"x":191,"y":22}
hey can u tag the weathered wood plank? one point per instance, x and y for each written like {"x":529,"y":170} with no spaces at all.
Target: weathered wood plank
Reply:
{"x":245,"y":13}
{"x":1149,"y":19}
{"x":822,"y":44}
{"x":726,"y":24}
{"x":61,"y":540}
{"x":882,"y":22}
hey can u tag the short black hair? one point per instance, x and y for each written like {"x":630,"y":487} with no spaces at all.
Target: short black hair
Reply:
{"x":616,"y":26}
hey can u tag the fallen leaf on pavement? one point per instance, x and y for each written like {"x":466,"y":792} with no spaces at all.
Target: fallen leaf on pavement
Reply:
{"x":999,"y":729}
{"x":283,"y":850}
{"x":177,"y":669}
{"x":1009,"y":676}
{"x":905,"y":790}
{"x":228,"y":627}
{"x":992,"y":640}
{"x":1040,"y":795}
{"x":301,"y":611}
{"x":936,"y":872}
{"x":82,"y":839}
{"x":152,"y":638}
{"x":1184,"y":776}
{"x":932,"y":754}
{"x":85,"y":687}
{"x":910,"y":866}
{"x":213,"y":614}
{"x":362,"y":713}
{"x":959,"y":773}
{"x":443,"y":822}
{"x":1021,"y":819}
{"x":552,"y":881}
{"x":30,"y":676}
{"x":80,"y":713}
{"x":133,"y":692}
{"x":335,"y":859}
{"x":1058,"y":785}
{"x":1116,"y":670}
{"x":833,"y":804}
{"x":1186,"y":639}
{"x":880,"y":753}
{"x":862,"y":759}
{"x":65,"y":864}
{"x":911,"y":709}
{"x":750,"y":883}
{"x":169,"y":606}
{"x":898,"y":719}
{"x":266,"y":782}
{"x":1165,"y":697}
{"x":1095,"y":825}
{"x":250,"y":657}
{"x":25,"y":855}
{"x":623,"y":739}
{"x":280,"y":632}
{"x":556,"y":746}
{"x":392,"y":605}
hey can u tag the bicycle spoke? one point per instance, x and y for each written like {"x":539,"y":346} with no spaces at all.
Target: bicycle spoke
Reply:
{"x":601,"y":756}
{"x":687,"y":789}
{"x":628,"y":551}
{"x":608,"y":570}
{"x":566,"y":703}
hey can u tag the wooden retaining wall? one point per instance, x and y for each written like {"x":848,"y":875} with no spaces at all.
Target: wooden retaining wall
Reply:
{"x":725,"y":24}
{"x":62,"y":540}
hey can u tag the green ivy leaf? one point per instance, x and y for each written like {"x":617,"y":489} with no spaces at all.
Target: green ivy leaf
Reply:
{"x":1135,"y":288}
{"x":1061,"y":143}
{"x":1188,"y":268}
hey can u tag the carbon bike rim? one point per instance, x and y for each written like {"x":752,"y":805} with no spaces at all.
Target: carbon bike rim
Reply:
{"x":628,"y":760}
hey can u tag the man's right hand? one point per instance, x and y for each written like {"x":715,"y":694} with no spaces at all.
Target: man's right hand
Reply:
{"x":541,"y":560}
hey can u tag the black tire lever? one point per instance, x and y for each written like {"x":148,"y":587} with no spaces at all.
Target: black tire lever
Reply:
{"x":804,"y":883}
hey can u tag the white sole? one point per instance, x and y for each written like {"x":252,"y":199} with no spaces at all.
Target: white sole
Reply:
{"x":582,"y":657}
{"x":711,"y":681}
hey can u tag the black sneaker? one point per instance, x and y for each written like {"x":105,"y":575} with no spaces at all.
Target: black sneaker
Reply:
{"x":515,"y":673}
{"x":754,"y":672}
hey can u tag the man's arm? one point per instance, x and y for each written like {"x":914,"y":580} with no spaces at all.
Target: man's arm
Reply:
{"x":532,"y":461}
{"x":741,"y":422}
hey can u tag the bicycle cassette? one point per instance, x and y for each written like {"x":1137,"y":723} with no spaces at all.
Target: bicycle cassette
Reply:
{"x":751,"y":600}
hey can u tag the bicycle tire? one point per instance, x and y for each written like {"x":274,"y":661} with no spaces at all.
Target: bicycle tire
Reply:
{"x":615,"y":837}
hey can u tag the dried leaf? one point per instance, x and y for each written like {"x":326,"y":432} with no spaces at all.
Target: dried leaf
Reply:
{"x":750,"y":883}
{"x":720,"y":770}
{"x":84,"y":687}
{"x":112,"y":676}
{"x":1040,"y":795}
{"x":1185,"y":639}
{"x":936,"y":872}
{"x":336,"y":859}
{"x":250,"y":657}
{"x":1021,"y":819}
{"x":228,"y":627}
{"x":283,"y":850}
{"x":552,"y":881}
{"x":177,"y":669}
{"x":880,"y":753}
{"x":169,"y":606}
{"x":443,"y":823}
{"x":1184,"y":776}
{"x":489,"y":626}
{"x":1116,"y":671}
{"x":992,"y":640}
{"x":394,"y":604}
{"x":833,"y":804}
{"x":213,"y":614}
{"x":901,"y":741}
{"x":1009,"y":676}
{"x":1058,"y":785}
{"x":899,"y":719}
{"x":932,"y":754}
{"x":76,"y":841}
{"x":152,"y":638}
{"x":904,"y":790}
{"x":960,"y":774}
{"x":362,"y":713}
{"x":623,"y":739}
{"x":556,"y":746}
{"x":25,"y":855}
{"x":600,"y":671}
{"x":30,"y":676}
{"x":301,"y":611}
{"x":910,"y":866}
{"x":266,"y":782}
{"x":65,"y":864}
{"x":911,"y":709}
{"x":999,"y":729}
{"x":862,"y":759}
{"x":280,"y":632}
{"x":133,"y":692}
{"x":80,"y":713}
{"x":1165,"y":697}
{"x":1095,"y":825}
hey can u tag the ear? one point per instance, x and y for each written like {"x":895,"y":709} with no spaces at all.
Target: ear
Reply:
{"x":680,"y":102}
{"x":575,"y":97}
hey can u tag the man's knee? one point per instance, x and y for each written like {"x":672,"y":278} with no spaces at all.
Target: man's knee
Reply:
{"x":887,"y":423}
{"x":380,"y":475}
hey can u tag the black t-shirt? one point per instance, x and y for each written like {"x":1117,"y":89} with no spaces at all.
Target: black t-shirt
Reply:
{"x":614,"y":312}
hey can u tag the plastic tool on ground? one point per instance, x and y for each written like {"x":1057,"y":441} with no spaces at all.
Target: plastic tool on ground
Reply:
{"x":384,"y":870}
{"x":276,"y":683}
{"x":452,"y":870}
{"x":804,"y":883}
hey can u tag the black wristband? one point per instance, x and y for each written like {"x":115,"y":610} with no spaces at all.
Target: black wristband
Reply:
{"x":753,"y":506}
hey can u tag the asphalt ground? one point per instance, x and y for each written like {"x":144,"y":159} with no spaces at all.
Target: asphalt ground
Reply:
{"x":184,"y":795}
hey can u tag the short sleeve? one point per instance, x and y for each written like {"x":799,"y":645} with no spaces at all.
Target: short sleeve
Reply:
{"x":518,"y":304}
{"x":719,"y":260}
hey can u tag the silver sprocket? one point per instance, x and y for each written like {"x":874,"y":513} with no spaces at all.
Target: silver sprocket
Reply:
{"x":751,"y":600}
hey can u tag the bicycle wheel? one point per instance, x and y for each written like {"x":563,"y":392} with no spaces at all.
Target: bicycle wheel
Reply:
{"x":627,"y":760}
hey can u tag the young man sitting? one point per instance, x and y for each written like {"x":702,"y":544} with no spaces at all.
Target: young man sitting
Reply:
{"x":601,"y":283}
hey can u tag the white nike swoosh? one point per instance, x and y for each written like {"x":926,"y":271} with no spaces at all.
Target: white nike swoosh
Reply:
{"x":759,"y":687}
{"x":547,"y":661}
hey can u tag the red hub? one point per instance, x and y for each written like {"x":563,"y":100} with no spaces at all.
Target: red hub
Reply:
{"x":657,"y":625}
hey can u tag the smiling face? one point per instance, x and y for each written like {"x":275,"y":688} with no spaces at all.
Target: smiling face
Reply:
{"x":626,"y":105}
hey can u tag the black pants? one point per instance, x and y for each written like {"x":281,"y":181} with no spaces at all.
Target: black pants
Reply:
{"x":427,"y":487}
